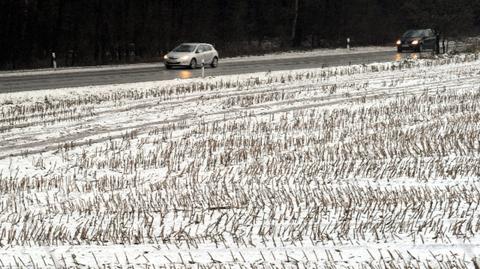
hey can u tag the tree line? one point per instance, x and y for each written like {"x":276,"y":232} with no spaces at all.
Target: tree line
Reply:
{"x":86,"y":32}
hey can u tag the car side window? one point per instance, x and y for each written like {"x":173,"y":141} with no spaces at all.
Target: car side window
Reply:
{"x":204,"y":48}
{"x":200,"y":49}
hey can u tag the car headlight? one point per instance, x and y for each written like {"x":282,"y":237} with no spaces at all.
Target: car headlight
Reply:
{"x":165,"y":57}
{"x":415,"y":42}
{"x":184,"y":58}
{"x":399,"y":42}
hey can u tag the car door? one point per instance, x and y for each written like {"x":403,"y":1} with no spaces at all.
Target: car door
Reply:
{"x":200,"y":54}
{"x":208,"y":54}
{"x":203,"y":55}
{"x":429,"y":39}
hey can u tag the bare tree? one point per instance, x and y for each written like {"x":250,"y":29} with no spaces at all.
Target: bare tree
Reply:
{"x":294,"y":23}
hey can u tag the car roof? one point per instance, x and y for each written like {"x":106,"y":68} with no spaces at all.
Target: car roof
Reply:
{"x":425,"y":29}
{"x":196,"y":44}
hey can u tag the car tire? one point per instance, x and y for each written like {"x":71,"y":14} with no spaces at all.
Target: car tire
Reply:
{"x":193,"y":63}
{"x":168,"y":66}
{"x":214,"y":63}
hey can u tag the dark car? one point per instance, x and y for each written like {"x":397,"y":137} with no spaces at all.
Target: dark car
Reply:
{"x":417,"y":40}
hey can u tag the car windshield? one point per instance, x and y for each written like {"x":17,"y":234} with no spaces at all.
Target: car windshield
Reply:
{"x":413,"y":33}
{"x":184,"y":48}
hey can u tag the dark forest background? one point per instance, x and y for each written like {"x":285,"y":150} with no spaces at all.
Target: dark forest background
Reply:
{"x":86,"y":32}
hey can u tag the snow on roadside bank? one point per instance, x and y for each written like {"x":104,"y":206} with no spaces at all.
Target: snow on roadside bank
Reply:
{"x":312,"y":53}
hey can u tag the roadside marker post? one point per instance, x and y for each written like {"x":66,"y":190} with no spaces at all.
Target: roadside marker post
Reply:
{"x":348,"y":43}
{"x":54,"y":60}
{"x":203,"y":68}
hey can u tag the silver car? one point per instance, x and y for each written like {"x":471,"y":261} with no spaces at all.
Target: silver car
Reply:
{"x":192,"y":55}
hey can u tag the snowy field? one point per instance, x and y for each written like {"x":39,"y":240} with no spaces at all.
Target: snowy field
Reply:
{"x":366,"y":166}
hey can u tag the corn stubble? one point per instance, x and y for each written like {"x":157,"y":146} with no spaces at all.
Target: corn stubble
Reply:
{"x":348,"y":167}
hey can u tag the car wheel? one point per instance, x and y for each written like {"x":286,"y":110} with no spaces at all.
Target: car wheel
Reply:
{"x":193,"y":63}
{"x":214,"y":62}
{"x":168,"y":66}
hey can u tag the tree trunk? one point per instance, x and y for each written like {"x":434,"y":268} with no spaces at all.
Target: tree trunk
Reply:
{"x":294,"y":23}
{"x":58,"y":34}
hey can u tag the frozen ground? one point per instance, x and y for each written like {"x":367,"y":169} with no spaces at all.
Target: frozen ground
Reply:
{"x":368,"y":166}
{"x":283,"y":55}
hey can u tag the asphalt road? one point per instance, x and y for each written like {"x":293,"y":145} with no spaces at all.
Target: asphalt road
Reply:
{"x":109,"y":76}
